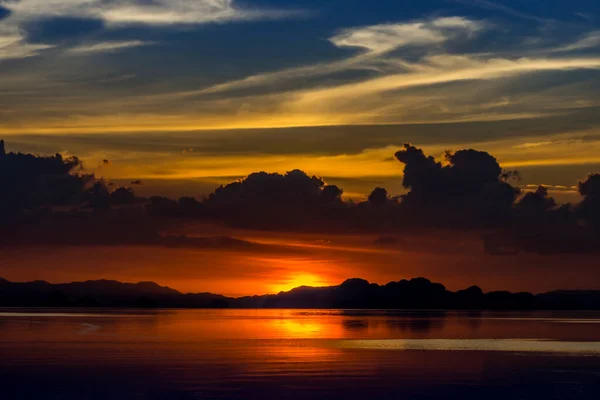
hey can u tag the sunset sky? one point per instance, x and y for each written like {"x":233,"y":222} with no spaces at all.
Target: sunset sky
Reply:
{"x":186,"y":95}
{"x":288,"y":260}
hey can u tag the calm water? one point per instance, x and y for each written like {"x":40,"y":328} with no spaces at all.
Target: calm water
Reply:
{"x":297,"y":354}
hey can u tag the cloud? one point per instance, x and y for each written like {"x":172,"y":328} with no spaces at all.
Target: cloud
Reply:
{"x":589,"y":207}
{"x":440,"y":69}
{"x":385,"y":81}
{"x":375,"y":39}
{"x":549,"y":188}
{"x":387,"y":37}
{"x":29,"y":182}
{"x":589,"y":41}
{"x":462,"y":23}
{"x":104,"y":47}
{"x":13,"y":45}
{"x":137,"y":12}
{"x":529,"y":145}
{"x":585,"y":16}
{"x":384,"y":38}
{"x":590,"y":188}
{"x":508,"y":10}
{"x":117,"y":13}
{"x":262,"y":199}
{"x":535,"y":204}
{"x":408,"y":72}
{"x":466,"y":189}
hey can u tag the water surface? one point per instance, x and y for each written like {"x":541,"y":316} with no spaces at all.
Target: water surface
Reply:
{"x":276,"y":354}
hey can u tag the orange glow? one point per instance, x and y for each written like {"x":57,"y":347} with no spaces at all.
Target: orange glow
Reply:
{"x":300,"y":327}
{"x":299,"y":272}
{"x":458,"y":262}
{"x":297,"y":280}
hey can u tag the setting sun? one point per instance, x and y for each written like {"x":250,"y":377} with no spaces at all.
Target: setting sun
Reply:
{"x":297,"y":280}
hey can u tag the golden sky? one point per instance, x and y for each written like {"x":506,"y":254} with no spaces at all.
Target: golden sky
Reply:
{"x":206,"y":91}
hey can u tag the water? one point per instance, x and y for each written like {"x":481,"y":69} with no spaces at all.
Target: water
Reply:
{"x":297,"y":354}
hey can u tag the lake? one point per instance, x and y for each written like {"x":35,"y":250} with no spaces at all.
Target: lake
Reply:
{"x":297,"y":354}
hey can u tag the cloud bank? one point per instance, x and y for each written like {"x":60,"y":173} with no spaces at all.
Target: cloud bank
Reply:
{"x":466,"y":190}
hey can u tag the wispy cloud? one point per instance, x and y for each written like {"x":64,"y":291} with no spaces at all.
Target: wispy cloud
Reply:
{"x":374,"y":40}
{"x":104,"y":47}
{"x":412,"y":71}
{"x":388,"y":37}
{"x":118,"y":13}
{"x":132,"y":12}
{"x":585,"y":16}
{"x":380,"y":49}
{"x":590,"y":40}
{"x":385,"y":38}
{"x":508,"y":10}
{"x":14,"y":46}
{"x":448,"y":68}
{"x":13,"y":43}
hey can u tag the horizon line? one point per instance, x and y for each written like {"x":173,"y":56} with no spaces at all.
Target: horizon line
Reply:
{"x":292,"y":289}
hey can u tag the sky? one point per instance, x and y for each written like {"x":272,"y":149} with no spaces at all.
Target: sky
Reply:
{"x":281,"y":261}
{"x":189,"y":94}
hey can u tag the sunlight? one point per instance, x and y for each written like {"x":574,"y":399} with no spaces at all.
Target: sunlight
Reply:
{"x":298,"y":328}
{"x":297,"y":280}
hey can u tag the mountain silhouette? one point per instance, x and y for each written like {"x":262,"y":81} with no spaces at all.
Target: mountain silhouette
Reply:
{"x":101,"y":293}
{"x":417,"y":293}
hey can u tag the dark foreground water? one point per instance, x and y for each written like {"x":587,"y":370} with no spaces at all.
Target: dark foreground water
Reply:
{"x":297,"y":354}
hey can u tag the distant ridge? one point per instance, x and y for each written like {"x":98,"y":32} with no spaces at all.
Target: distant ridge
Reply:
{"x":355,"y":293}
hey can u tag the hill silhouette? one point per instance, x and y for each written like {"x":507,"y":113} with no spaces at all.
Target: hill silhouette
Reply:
{"x":417,"y":293}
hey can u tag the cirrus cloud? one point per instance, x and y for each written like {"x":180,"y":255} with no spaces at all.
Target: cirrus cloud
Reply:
{"x":107,"y":46}
{"x":118,"y":13}
{"x":387,"y":37}
{"x":134,"y":12}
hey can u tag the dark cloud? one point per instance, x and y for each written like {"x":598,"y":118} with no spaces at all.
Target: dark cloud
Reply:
{"x":467,"y":189}
{"x":98,"y":197}
{"x":163,"y":207}
{"x":589,"y":208}
{"x":331,"y":194}
{"x":590,"y":188}
{"x":271,"y":199}
{"x":378,"y":197}
{"x":535,"y":204}
{"x":539,"y":225}
{"x":123,"y":196}
{"x":30,"y":181}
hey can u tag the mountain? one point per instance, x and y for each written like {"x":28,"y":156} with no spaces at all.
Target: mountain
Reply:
{"x":417,"y":293}
{"x":102,"y":293}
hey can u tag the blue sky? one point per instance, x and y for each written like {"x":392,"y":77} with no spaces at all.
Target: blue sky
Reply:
{"x":148,"y":83}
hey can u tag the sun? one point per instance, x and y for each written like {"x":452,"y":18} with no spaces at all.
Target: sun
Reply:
{"x":297,"y":280}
